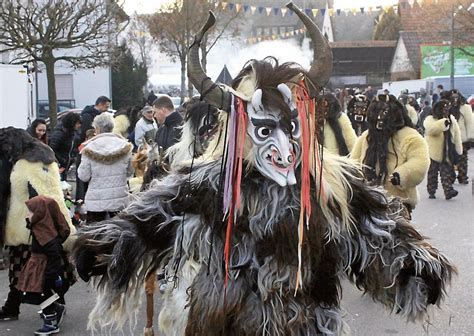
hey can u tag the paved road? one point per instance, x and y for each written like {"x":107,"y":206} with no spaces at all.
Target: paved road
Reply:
{"x":450,"y":226}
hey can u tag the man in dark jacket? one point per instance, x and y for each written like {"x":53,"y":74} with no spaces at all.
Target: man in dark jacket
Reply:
{"x":89,"y":112}
{"x":170,"y":120}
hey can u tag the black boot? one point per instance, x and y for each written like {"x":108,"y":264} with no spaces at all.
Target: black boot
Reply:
{"x":450,"y":194}
{"x":11,"y":309}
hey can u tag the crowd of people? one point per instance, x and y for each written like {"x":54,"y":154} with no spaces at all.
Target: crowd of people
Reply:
{"x":382,"y":132}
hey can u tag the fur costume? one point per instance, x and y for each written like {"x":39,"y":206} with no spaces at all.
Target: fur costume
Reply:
{"x":466,"y":123}
{"x":335,"y":130}
{"x":444,"y":143}
{"x":269,"y":266}
{"x":434,"y":136}
{"x":463,"y":114}
{"x":44,"y":179}
{"x":121,"y":125}
{"x":33,"y":169}
{"x":394,"y":148}
{"x":412,"y":114}
{"x":28,"y":168}
{"x":125,"y":120}
{"x":357,"y":113}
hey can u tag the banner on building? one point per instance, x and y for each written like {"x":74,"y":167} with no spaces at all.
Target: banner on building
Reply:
{"x":436,"y":60}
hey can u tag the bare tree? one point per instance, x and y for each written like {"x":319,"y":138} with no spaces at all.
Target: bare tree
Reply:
{"x":173,"y":28}
{"x":139,"y":39}
{"x":464,"y":26}
{"x":78,"y":32}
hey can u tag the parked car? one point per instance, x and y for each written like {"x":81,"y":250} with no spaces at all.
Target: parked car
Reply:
{"x":176,"y":101}
{"x":43,"y":107}
{"x":62,"y":113}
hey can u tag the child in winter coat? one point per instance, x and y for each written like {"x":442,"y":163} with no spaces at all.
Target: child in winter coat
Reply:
{"x":445,"y":146}
{"x":42,"y":278}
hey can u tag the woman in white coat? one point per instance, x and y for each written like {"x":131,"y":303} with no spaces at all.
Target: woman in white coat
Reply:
{"x":106,"y":165}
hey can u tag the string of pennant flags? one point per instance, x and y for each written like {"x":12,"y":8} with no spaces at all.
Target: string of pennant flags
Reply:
{"x":284,"y":35}
{"x":283,"y":11}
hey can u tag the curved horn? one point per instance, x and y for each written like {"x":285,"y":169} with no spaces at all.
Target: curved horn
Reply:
{"x":213,"y":94}
{"x":321,"y":68}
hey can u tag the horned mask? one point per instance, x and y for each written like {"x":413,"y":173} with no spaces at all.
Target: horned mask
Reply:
{"x":267,"y":90}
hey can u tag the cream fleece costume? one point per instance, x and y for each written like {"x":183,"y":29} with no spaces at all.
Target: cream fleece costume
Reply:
{"x":434,"y":136}
{"x":412,"y":114}
{"x":121,"y":125}
{"x":348,"y":133}
{"x":45,"y":180}
{"x":466,"y":123}
{"x":408,"y":156}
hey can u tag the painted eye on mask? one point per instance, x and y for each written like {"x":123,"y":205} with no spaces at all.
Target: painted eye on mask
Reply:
{"x":263,"y":132}
{"x":294,"y":126}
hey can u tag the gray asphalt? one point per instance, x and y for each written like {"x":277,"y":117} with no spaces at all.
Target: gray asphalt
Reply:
{"x":448,"y":224}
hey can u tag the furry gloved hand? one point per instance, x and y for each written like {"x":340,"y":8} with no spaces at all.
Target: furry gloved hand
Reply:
{"x":395,"y":179}
{"x":447,"y":123}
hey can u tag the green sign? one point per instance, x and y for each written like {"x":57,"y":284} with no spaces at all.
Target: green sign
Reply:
{"x":436,"y":61}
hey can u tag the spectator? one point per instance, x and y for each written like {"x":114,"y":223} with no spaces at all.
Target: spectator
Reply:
{"x":89,"y":112}
{"x":43,"y":275}
{"x":145,"y":129}
{"x":170,"y":121}
{"x":62,"y":141}
{"x":437,"y":94}
{"x":424,"y":96}
{"x":38,"y":130}
{"x":369,"y":93}
{"x":106,"y":164}
{"x":151,"y":98}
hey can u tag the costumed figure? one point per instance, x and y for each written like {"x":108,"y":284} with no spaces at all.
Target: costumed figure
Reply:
{"x":393,"y":152}
{"x":28,"y":168}
{"x":463,"y":114}
{"x":335,"y":132}
{"x":412,"y":114}
{"x":260,"y":229}
{"x":357,"y":113}
{"x":444,"y":143}
{"x":200,"y":125}
{"x":125,"y":120}
{"x":42,"y":277}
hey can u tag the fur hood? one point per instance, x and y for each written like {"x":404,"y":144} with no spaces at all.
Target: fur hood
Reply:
{"x":107,"y":148}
